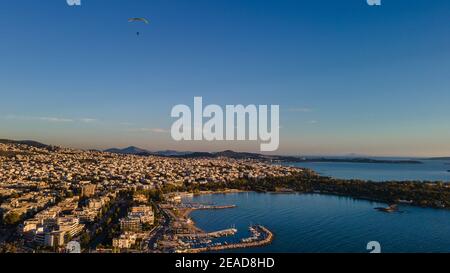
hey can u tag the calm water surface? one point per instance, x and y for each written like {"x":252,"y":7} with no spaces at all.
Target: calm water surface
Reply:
{"x":430,"y":170}
{"x":321,"y":223}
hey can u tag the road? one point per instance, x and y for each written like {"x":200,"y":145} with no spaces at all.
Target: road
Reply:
{"x":159,"y":231}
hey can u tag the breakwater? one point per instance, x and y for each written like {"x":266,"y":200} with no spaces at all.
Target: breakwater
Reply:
{"x":265,"y":237}
{"x":214,"y":234}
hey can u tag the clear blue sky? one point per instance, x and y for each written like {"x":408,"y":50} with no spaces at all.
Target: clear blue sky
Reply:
{"x":349,"y":78}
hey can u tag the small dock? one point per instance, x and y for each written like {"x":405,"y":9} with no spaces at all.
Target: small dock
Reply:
{"x":215,"y":234}
{"x":265,"y":237}
{"x":197,"y":206}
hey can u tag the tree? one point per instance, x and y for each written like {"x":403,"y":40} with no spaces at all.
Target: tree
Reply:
{"x":12,"y":218}
{"x":85,"y":239}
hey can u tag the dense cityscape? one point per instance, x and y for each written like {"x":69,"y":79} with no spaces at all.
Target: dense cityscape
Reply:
{"x":109,"y":202}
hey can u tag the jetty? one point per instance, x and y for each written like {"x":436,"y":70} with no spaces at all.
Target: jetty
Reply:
{"x":185,"y":237}
{"x":215,"y":234}
{"x":198,"y":206}
{"x":261,"y":236}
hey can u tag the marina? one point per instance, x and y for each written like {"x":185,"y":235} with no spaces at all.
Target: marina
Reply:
{"x":184,"y":236}
{"x":261,"y":236}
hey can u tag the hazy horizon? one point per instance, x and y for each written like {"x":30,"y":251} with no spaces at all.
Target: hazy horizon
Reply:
{"x":349,"y":154}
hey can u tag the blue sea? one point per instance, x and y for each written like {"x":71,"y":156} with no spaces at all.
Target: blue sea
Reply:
{"x":430,"y":170}
{"x":314,"y":223}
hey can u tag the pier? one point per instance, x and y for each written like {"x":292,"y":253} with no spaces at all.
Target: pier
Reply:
{"x":185,"y":237}
{"x":265,"y":237}
{"x":197,"y":206}
{"x":215,"y":234}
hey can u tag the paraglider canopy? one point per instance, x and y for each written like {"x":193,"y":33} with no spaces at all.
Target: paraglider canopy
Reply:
{"x":138,"y":19}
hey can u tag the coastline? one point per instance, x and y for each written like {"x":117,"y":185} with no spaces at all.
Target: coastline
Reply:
{"x":417,"y":193}
{"x":224,"y":191}
{"x":269,"y":237}
{"x":337,"y":194}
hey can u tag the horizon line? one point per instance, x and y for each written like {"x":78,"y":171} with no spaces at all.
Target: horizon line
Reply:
{"x":350,"y":154}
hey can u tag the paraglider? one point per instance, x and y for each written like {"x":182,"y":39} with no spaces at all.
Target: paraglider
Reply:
{"x":137,"y":20}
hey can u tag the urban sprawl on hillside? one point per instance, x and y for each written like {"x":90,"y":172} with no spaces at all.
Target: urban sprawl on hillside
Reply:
{"x":107,"y":202}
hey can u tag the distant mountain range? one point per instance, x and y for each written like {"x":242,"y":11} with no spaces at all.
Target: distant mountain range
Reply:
{"x":30,"y":143}
{"x":132,"y":150}
{"x":243,"y":155}
{"x":171,"y":153}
